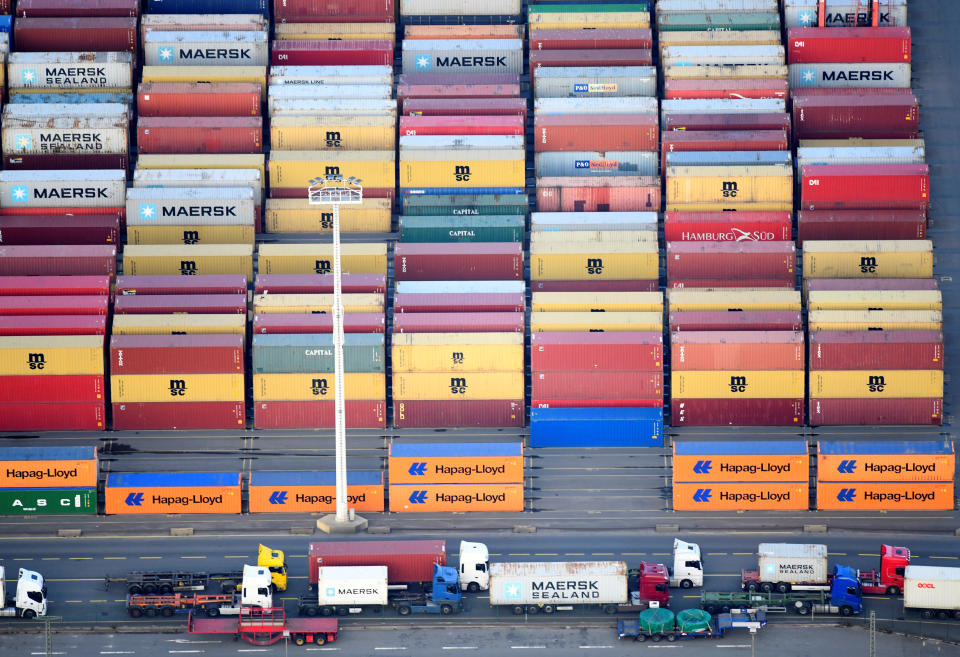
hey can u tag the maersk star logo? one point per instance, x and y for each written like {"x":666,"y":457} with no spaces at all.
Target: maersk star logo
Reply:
{"x":806,"y":18}
{"x":808,"y":76}
{"x":24,"y":143}
{"x":28,"y":76}
{"x":423,"y":62}
{"x":148,"y":211}
{"x":19,"y":193}
{"x":331,"y":592}
{"x":165,"y":54}
{"x":512,"y":590}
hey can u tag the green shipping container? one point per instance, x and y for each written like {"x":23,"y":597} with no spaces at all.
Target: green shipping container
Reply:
{"x":47,"y":501}
{"x":465,"y":204}
{"x":711,"y":21}
{"x":470,"y":228}
{"x":299,"y":353}
{"x":564,"y":8}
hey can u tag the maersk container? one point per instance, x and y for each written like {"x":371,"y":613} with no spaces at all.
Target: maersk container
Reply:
{"x":63,"y":188}
{"x":311,"y":76}
{"x":463,"y":56}
{"x":488,"y":228}
{"x":70,"y":70}
{"x":611,"y":163}
{"x":333,"y":91}
{"x":65,"y":135}
{"x":725,"y":54}
{"x":842,"y":76}
{"x":596,"y":427}
{"x":595,"y":81}
{"x":190,"y":206}
{"x":185,"y":48}
{"x":932,"y":590}
{"x":622,"y":105}
{"x":208,"y":7}
{"x":843,"y":13}
{"x":314,"y":353}
{"x":793,"y":563}
{"x":352,"y":586}
{"x":727,"y":158}
{"x":558,"y":583}
{"x":581,"y":221}
{"x":75,"y":110}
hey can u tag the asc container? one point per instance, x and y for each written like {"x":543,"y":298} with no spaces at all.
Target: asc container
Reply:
{"x":458,"y":413}
{"x":71,"y":260}
{"x":775,"y":496}
{"x":172,"y":492}
{"x":596,"y":427}
{"x":456,"y":498}
{"x":188,"y":354}
{"x":407,"y":561}
{"x":721,"y":350}
{"x":202,"y":134}
{"x":88,"y":33}
{"x":908,"y":460}
{"x":868,"y":259}
{"x":312,"y":492}
{"x":731,"y":260}
{"x":741,"y":461}
{"x":474,"y":261}
{"x":456,"y":463}
{"x":48,"y":501}
{"x":900,"y":495}
{"x":314,"y":353}
{"x":861,"y":224}
{"x":558,"y":582}
{"x":139,"y":416}
{"x":864,"y":350}
{"x":728,"y":226}
{"x":874,"y":412}
{"x":48,"y":467}
{"x":360,"y":414}
{"x":609,"y":352}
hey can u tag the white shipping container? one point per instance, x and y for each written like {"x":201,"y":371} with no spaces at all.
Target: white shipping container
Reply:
{"x":845,"y":76}
{"x":462,"y":56}
{"x":610,"y":163}
{"x":331,"y":92}
{"x":554,"y":106}
{"x":205,"y":22}
{"x":185,"y":48}
{"x":319,"y":107}
{"x":581,"y":221}
{"x":201,"y":178}
{"x":740,"y":171}
{"x":725,"y":72}
{"x":595,"y":81}
{"x":460,"y":8}
{"x":720,"y":106}
{"x":65,"y":135}
{"x":844,"y":13}
{"x":861,"y":155}
{"x":716,"y":5}
{"x":352,"y":585}
{"x":460,"y":287}
{"x":722,"y":54}
{"x":195,"y":206}
{"x":793,"y":563}
{"x":92,"y":188}
{"x":460,"y":143}
{"x":486,"y":155}
{"x":932,"y":587}
{"x":70,"y":70}
{"x":332,"y":75}
{"x":558,"y":582}
{"x":44,"y":111}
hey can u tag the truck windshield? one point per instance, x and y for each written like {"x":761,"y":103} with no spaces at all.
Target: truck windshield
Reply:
{"x":693,"y":564}
{"x":36,"y":596}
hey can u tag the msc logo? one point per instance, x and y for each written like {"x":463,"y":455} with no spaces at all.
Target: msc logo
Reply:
{"x":738,"y":384}
{"x":331,"y":171}
{"x":729,"y":189}
{"x":319,"y":387}
{"x":461,"y":173}
{"x":188,"y":268}
{"x":868,"y":265}
{"x":333,"y":139}
{"x":326,"y":220}
{"x":457,"y":357}
{"x":595,"y":266}
{"x":458,"y":385}
{"x":178,"y":388}
{"x":191,"y":236}
{"x":322,"y":266}
{"x":35,"y":361}
{"x":876,"y":383}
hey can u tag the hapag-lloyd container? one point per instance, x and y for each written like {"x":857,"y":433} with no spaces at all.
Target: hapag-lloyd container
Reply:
{"x":463,"y":56}
{"x":595,"y":81}
{"x":746,"y":88}
{"x":473,"y":261}
{"x":543,"y":222}
{"x":458,"y":413}
{"x":176,"y":285}
{"x":210,"y":304}
{"x":48,"y":467}
{"x":78,"y":34}
{"x":105,"y":188}
{"x":198,"y":99}
{"x":866,"y":350}
{"x":741,"y":461}
{"x":914,"y":460}
{"x":875,"y":412}
{"x":43,"y":286}
{"x":636,"y":351}
{"x":53,"y":260}
{"x":69,"y":70}
{"x":203,"y":206}
{"x":848,"y":44}
{"x":843,"y":76}
{"x":360,"y":414}
{"x":872,"y":186}
{"x":734,"y":260}
{"x":869,"y":117}
{"x":306,"y":492}
{"x":172,"y":492}
{"x":763,"y":411}
{"x":772,"y":496}
{"x":186,"y":48}
{"x":626,"y":132}
{"x":901,"y":495}
{"x":743,"y":226}
{"x":456,"y":463}
{"x":432,"y":498}
{"x":843,"y":13}
{"x":729,"y":350}
{"x":596,"y":427}
{"x":610,"y":163}
{"x":53,"y":229}
{"x":598,"y":194}
{"x":318,"y":283}
{"x":189,"y":354}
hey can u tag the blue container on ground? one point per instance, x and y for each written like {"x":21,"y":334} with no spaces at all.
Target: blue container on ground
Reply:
{"x":596,"y":427}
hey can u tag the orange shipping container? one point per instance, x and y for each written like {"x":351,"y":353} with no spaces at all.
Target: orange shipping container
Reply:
{"x":48,"y":467}
{"x":456,"y":463}
{"x":906,"y":460}
{"x":431,"y":498}
{"x":312,"y":492}
{"x":887,"y":495}
{"x":172,"y":492}
{"x":741,"y":460}
{"x":728,"y":350}
{"x":737,"y":497}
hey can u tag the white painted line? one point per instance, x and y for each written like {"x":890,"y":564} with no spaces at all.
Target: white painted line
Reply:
{"x":664,"y":646}
{"x":188,"y":640}
{"x":175,"y":651}
{"x":528,"y":647}
{"x":117,"y":652}
{"x":48,"y":653}
{"x":251,"y":650}
{"x":390,"y":648}
{"x":594,"y":647}
{"x":459,"y":648}
{"x":735,"y":645}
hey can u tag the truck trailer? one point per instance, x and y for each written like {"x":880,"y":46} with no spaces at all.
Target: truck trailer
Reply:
{"x":30,"y":597}
{"x":265,"y":627}
{"x":843,"y":597}
{"x":934,"y":591}
{"x":658,"y":624}
{"x":255,"y":590}
{"x":784,"y":567}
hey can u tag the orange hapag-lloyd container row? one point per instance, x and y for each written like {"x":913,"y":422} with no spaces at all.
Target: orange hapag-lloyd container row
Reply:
{"x":881,"y":461}
{"x":172,"y":492}
{"x":456,"y":463}
{"x":431,"y":498}
{"x":772,"y":496}
{"x":741,"y":461}
{"x":885,"y":495}
{"x":48,"y":467}
{"x":309,"y":492}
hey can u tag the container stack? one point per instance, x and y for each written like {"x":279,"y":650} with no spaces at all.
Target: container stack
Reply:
{"x":314,"y":492}
{"x":455,"y":477}
{"x":48,"y":480}
{"x":915,"y":475}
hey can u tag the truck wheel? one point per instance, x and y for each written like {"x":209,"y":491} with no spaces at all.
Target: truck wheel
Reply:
{"x":610,"y":609}
{"x":517,"y":610}
{"x":446,"y":610}
{"x":657,"y":638}
{"x":343,"y":611}
{"x":404,"y":610}
{"x":686,"y":584}
{"x":532,"y":609}
{"x":149,"y":589}
{"x":893,"y":590}
{"x":320,"y":639}
{"x":324,"y":611}
{"x":943,"y":615}
{"x":548,"y":609}
{"x":846,"y":610}
{"x":802,"y":609}
{"x":766,"y":587}
{"x":956,"y":615}
{"x":926,"y":614}
{"x":135,"y":612}
{"x":752,"y":587}
{"x":213,"y":612}
{"x":299,"y":640}
{"x":165,"y":589}
{"x":671,"y":638}
{"x":641,"y":638}
{"x":783,"y":587}
{"x":150,"y":612}
{"x":28,"y":614}
{"x":473,"y":587}
{"x":134,"y":589}
{"x":710,"y":608}
{"x":166,"y":612}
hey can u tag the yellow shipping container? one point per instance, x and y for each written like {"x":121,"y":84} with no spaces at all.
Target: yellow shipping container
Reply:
{"x":589,"y":236}
{"x":602,"y":262}
{"x":465,"y":173}
{"x":876,"y":384}
{"x":458,"y":357}
{"x":868,"y":259}
{"x":589,"y":20}
{"x":551,"y":322}
{"x":781,"y":206}
{"x":726,"y":72}
{"x":335,"y":31}
{"x":176,"y":387}
{"x":295,"y":215}
{"x":686,"y":185}
{"x":462,"y":385}
{"x":377,"y":169}
{"x":51,"y":355}
{"x":179,"y":324}
{"x":257,"y":74}
{"x":305,"y":133}
{"x":737,"y":384}
{"x":597,"y":302}
{"x":317,"y":258}
{"x":418,"y":339}
{"x":680,"y":299}
{"x":192,"y":260}
{"x":875,"y":300}
{"x":204,"y":160}
{"x":190,"y":234}
{"x":318,"y":386}
{"x":875,"y":320}
{"x":316,"y":303}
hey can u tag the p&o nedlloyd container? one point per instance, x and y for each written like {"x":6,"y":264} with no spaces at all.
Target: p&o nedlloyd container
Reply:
{"x":561,"y":584}
{"x":466,"y":56}
{"x":595,"y":81}
{"x":70,"y":70}
{"x":185,"y":48}
{"x":99,"y":188}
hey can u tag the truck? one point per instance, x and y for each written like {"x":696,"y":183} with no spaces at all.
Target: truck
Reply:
{"x":30,"y":598}
{"x":888,"y":579}
{"x":255,"y":591}
{"x":343,"y":590}
{"x":687,"y":570}
{"x":165,"y":582}
{"x":843,"y":597}
{"x":265,"y":627}
{"x":934,"y":591}
{"x":658,"y":624}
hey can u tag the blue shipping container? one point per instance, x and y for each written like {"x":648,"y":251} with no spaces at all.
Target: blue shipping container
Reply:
{"x":6,"y":23}
{"x":48,"y":453}
{"x":354,"y":478}
{"x":886,"y":447}
{"x":596,"y":427}
{"x":448,"y":191}
{"x":439,"y":450}
{"x":208,"y":7}
{"x":738,"y":447}
{"x":172,"y":479}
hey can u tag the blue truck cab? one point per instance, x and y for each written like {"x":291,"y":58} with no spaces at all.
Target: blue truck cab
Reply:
{"x":845,"y":591}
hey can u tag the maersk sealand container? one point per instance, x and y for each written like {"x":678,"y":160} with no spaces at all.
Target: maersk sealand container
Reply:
{"x":596,"y":427}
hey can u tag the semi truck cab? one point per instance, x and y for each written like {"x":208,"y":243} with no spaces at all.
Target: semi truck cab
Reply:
{"x":888,"y":579}
{"x":687,"y":569}
{"x":652,"y":583}
{"x":474,"y":567}
{"x":256,"y":590}
{"x":276,"y":563}
{"x":846,"y":598}
{"x":30,"y":599}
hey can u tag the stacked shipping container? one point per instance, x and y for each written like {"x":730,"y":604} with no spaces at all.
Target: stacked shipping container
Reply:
{"x":48,"y":480}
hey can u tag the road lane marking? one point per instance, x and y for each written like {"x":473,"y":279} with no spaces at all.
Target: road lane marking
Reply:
{"x":49,"y":558}
{"x":661,"y":554}
{"x":194,"y":651}
{"x":594,"y":647}
{"x":934,"y":557}
{"x":721,"y":574}
{"x":875,"y":597}
{"x":573,"y":554}
{"x":150,"y":557}
{"x":297,"y":556}
{"x":100,"y":601}
{"x":81,"y":558}
{"x":601,"y":554}
{"x":251,"y":650}
{"x":235,"y":556}
{"x":78,"y":579}
{"x":117,"y":652}
{"x":695,"y":597}
{"x":323,"y":648}
{"x":73,"y":601}
{"x":24,"y":559}
{"x":735,"y":645}
{"x":200,"y":557}
{"x":459,"y":648}
{"x":115,"y":558}
{"x":716,"y":554}
{"x":836,"y":554}
{"x":48,"y":653}
{"x":519,"y":554}
{"x":867,"y":554}
{"x":634,"y":554}
{"x":546,"y":554}
{"x":740,"y":554}
{"x":528,"y":647}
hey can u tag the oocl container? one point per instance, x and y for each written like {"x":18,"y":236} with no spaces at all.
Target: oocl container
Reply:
{"x":187,"y":48}
{"x":920,"y":460}
{"x":913,"y":496}
{"x":172,"y":492}
{"x":864,"y":350}
{"x":741,"y":461}
{"x":312,"y":492}
{"x":456,"y":463}
{"x":48,"y":467}
{"x":737,"y":496}
{"x":433,"y":498}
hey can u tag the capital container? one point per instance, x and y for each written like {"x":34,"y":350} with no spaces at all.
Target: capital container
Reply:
{"x":727,"y":226}
{"x":78,"y":34}
{"x":306,"y":492}
{"x":63,"y":188}
{"x":595,"y":39}
{"x":172,"y":492}
{"x":598,"y":194}
{"x":587,"y":321}
{"x":843,"y":13}
{"x":47,"y":260}
{"x":861,"y":224}
{"x":376,"y":52}
{"x":875,"y":320}
{"x":62,"y":388}
{"x":62,"y":134}
{"x":874,"y":186}
{"x":48,"y":501}
{"x":865,"y":350}
{"x":189,"y":354}
{"x":741,"y":461}
{"x":429,"y":386}
{"x":457,"y":352}
{"x":176,"y":285}
{"x":913,"y":460}
{"x":54,"y":305}
{"x":69,"y":70}
{"x":139,"y":416}
{"x":320,"y":11}
{"x":736,"y":260}
{"x":868,"y":117}
{"x":540,"y":59}
{"x":187,"y":48}
{"x":48,"y":467}
{"x":431,"y":498}
{"x":746,"y":88}
{"x":766,"y":496}
{"x":54,"y":325}
{"x":465,"y":107}
{"x":848,"y":44}
{"x":54,"y":285}
{"x":314,"y":353}
{"x":596,"y":427}
{"x":474,"y":261}
{"x":199,"y":99}
{"x":462,"y":228}
{"x":595,"y":81}
{"x":304,"y":323}
{"x":733,"y":300}
{"x":458,"y":413}
{"x":318,"y":283}
{"x":900,"y":495}
{"x":360,"y":414}
{"x":456,"y":463}
{"x":221,"y":134}
{"x":607,"y":352}
{"x":727,"y":121}
{"x":726,"y":350}
{"x":407,"y":561}
{"x":211,"y":6}
{"x":875,"y":412}
{"x":210,"y":304}
{"x":52,"y":416}
{"x":54,"y":229}
{"x":450,"y":125}
{"x":633,"y":388}
{"x":357,"y":258}
{"x":868,"y":259}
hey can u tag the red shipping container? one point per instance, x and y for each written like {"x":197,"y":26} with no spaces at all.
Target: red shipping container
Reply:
{"x":459,"y":413}
{"x":334,"y":11}
{"x":63,"y":161}
{"x":731,"y":260}
{"x":584,"y":57}
{"x":583,"y":132}
{"x":745,"y":350}
{"x":94,"y":34}
{"x":865,"y":186}
{"x":591,"y":39}
{"x":321,"y":323}
{"x":58,"y":260}
{"x":459,"y":303}
{"x":736,"y":412}
{"x":727,"y":226}
{"x":16,"y":286}
{"x":462,"y":90}
{"x":596,"y":403}
{"x":177,"y":354}
{"x":55,"y":305}
{"x":861,"y":225}
{"x":462,"y":125}
{"x":875,"y":412}
{"x":850,"y":91}
{"x":317,"y":283}
{"x":457,"y":78}
{"x":746,"y":320}
{"x":474,"y":261}
{"x":348,"y":52}
{"x":876,"y":350}
{"x":198,"y":134}
{"x":807,"y":45}
{"x":209,"y":304}
{"x":45,"y":388}
{"x":60,"y":229}
{"x":198,"y":99}
{"x":872,"y":116}
{"x":180,"y":415}
{"x":675,"y":141}
{"x":407,"y":561}
{"x":52,"y":416}
{"x":747,"y":88}
{"x":363,"y":414}
{"x":54,"y":325}
{"x":594,"y":286}
{"x":64,"y":212}
{"x":586,"y":384}
{"x":301,"y":192}
{"x":600,"y":194}
{"x":607,"y":351}
{"x":67,"y":8}
{"x":465,"y":107}
{"x":457,"y":323}
{"x":203,"y":284}
{"x":871,"y":284}
{"x":786,"y":283}
{"x":772,"y":121}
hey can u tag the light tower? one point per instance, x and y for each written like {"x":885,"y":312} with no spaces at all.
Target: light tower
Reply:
{"x":333,"y":190}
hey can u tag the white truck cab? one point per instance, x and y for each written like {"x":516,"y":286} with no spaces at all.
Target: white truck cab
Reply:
{"x":687,"y":570}
{"x":256,"y":590}
{"x":474,"y":567}
{"x":31,"y":595}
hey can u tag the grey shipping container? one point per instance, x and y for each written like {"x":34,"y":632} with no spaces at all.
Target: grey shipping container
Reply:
{"x":456,"y":8}
{"x":595,"y":81}
{"x":321,"y":75}
{"x":845,"y":76}
{"x":590,"y":221}
{"x":724,"y":54}
{"x":70,"y":70}
{"x":460,"y":143}
{"x":323,"y":107}
{"x":732,"y":158}
{"x":844,"y":13}
{"x":861,"y":155}
{"x":462,"y":56}
{"x":610,"y":163}
{"x":635,"y":105}
{"x":298,"y":353}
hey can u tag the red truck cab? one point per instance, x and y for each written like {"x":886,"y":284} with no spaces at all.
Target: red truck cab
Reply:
{"x":888,"y":580}
{"x":653,"y":582}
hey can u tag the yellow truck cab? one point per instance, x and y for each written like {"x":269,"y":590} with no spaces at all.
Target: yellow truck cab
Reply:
{"x":275,"y":561}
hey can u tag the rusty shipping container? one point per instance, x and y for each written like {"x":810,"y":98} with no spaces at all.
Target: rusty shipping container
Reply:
{"x":599,"y":194}
{"x":746,"y":350}
{"x":861,"y":225}
{"x":747,"y":320}
{"x":869,"y":350}
{"x":736,"y":412}
{"x":876,"y":412}
{"x":191,"y":135}
{"x":198,"y":99}
{"x":458,"y":413}
{"x":734,"y":260}
{"x":446,"y":261}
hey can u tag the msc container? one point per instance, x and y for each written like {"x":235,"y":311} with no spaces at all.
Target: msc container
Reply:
{"x":724,"y":350}
{"x":874,"y":186}
{"x":741,"y":461}
{"x":187,"y":48}
{"x":558,"y":583}
{"x":318,"y":283}
{"x":53,"y":416}
{"x":357,"y":258}
{"x":596,"y":38}
{"x":54,"y":325}
{"x":876,"y":383}
{"x":868,"y":259}
{"x":733,"y":260}
{"x":176,"y":285}
{"x":407,"y":561}
{"x":189,"y":260}
{"x":874,"y":412}
{"x":593,"y":261}
{"x":737,"y":384}
{"x":184,"y":388}
{"x":772,"y":496}
{"x":172,"y":492}
{"x":304,"y":323}
{"x":47,"y":260}
{"x":861,"y":224}
{"x":902,"y":496}
{"x":48,"y":467}
{"x":595,"y":81}
{"x":458,"y":413}
{"x":596,"y":427}
{"x":727,"y":226}
{"x":465,"y":385}
{"x":843,"y":13}
{"x":189,"y":135}
{"x":198,"y":99}
{"x":596,"y":352}
{"x":456,"y":463}
{"x":69,"y":70}
{"x":310,"y":492}
{"x":849,"y":45}
{"x":189,"y":354}
{"x":210,"y":304}
{"x":931,"y":460}
{"x":314,"y":353}
{"x":48,"y":501}
{"x":60,"y":229}
{"x":313,"y":414}
{"x":357,"y":133}
{"x":200,"y":206}
{"x":63,"y":189}
{"x":866,"y":350}
{"x":474,"y":261}
{"x":743,"y":187}
{"x":306,"y":52}
{"x":288,"y":215}
{"x":292,"y":171}
{"x":191,"y":234}
{"x":457,"y":352}
{"x":82,"y":34}
{"x":875,"y":300}
{"x":53,"y":285}
{"x":430,"y":498}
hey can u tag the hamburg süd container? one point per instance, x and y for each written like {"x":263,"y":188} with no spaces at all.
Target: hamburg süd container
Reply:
{"x":741,"y":461}
{"x":172,"y":492}
{"x":456,"y":463}
{"x":742,"y":226}
{"x":48,"y":467}
{"x":306,"y":492}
